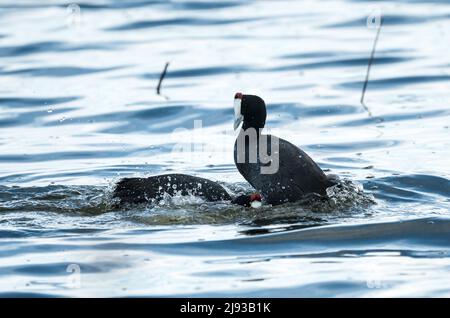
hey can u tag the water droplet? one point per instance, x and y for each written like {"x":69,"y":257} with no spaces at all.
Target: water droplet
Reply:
{"x":73,"y":15}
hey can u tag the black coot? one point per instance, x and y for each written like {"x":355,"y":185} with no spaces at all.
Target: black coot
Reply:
{"x":151,"y":189}
{"x":279,"y":170}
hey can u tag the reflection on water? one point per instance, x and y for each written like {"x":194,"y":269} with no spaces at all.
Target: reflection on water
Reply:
{"x":78,"y":110}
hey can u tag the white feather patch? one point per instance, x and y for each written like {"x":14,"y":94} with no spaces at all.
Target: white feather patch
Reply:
{"x":237,"y":108}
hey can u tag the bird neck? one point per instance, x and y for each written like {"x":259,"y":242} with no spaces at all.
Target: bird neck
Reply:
{"x":246,"y":126}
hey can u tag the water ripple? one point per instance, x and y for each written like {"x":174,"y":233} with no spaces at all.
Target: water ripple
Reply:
{"x":388,"y":118}
{"x":59,"y":71}
{"x":52,"y":46}
{"x":201,"y":71}
{"x":410,"y":187}
{"x":156,"y":119}
{"x":392,"y":82}
{"x":24,"y":102}
{"x":181,"y":21}
{"x":29,"y":117}
{"x":351,"y":62}
{"x":351,"y":146}
{"x":389,"y":20}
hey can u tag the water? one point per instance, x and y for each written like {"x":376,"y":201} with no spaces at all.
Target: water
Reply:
{"x":78,"y":111}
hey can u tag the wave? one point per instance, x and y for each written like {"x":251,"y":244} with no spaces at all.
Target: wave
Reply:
{"x":419,"y":235}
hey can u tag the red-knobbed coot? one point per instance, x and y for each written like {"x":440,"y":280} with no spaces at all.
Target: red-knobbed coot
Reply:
{"x":153,"y":189}
{"x":279,"y":170}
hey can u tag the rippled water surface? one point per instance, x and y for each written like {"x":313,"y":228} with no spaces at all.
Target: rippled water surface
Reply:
{"x":78,"y":111}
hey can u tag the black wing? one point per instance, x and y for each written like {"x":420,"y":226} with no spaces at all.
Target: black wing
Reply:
{"x":141,"y":190}
{"x":297,"y":173}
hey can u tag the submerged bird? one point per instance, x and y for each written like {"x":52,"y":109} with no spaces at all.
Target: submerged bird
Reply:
{"x":279,"y":170}
{"x":154,"y":189}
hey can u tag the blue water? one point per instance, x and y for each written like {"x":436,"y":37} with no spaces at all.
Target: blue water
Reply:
{"x":79,"y":110}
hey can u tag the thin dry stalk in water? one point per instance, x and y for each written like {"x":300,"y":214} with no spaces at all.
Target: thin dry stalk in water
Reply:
{"x":161,"y":78}
{"x":372,"y":55}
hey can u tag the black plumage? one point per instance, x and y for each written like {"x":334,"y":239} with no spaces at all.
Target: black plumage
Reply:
{"x":154,"y":188}
{"x":297,"y":174}
{"x":141,"y":190}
